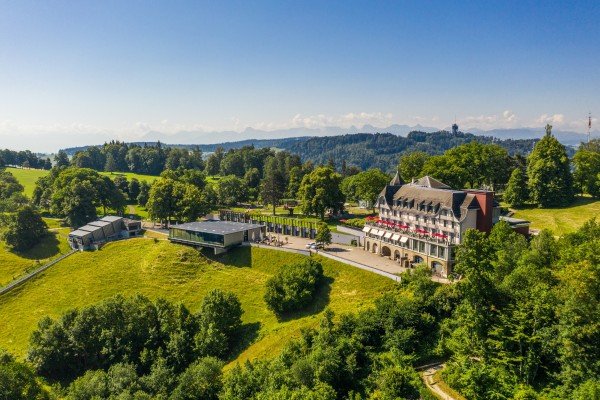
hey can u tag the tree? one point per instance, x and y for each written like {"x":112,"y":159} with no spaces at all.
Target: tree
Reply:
{"x":202,"y":380}
{"x":9,"y":185}
{"x":61,"y":159}
{"x":548,"y":169}
{"x":411,"y":165}
{"x":161,"y":203}
{"x":323,"y":234}
{"x":369,"y":184}
{"x":133,"y":189}
{"x":144,"y":194}
{"x":516,"y":191}
{"x":18,"y":382}
{"x":213,"y":164}
{"x":122,"y":184}
{"x":586,"y":164}
{"x":294,"y":286}
{"x":320,"y":191}
{"x":231,"y":190}
{"x":76,"y":202}
{"x":24,"y":230}
{"x":273,"y":184}
{"x":111,"y":163}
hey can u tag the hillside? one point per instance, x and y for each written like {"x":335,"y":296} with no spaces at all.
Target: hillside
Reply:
{"x":27,"y":177}
{"x":383,"y":150}
{"x":561,"y":220}
{"x":13,"y":265}
{"x":367,"y":150}
{"x":180,"y":273}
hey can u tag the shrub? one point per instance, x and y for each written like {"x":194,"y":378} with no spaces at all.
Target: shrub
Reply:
{"x":294,"y":287}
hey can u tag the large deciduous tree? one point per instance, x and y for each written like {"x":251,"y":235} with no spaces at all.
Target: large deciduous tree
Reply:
{"x":549,"y":172}
{"x":320,"y":191}
{"x":24,"y":229}
{"x":587,"y":168}
{"x":411,"y":165}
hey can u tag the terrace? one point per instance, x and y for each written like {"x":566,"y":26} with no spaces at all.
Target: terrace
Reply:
{"x":376,"y":224}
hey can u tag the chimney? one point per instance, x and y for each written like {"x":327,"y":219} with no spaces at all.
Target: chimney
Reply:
{"x":485,"y":214}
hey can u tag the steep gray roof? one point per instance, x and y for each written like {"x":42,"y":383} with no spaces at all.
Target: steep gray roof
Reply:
{"x":429,"y":191}
{"x":430,"y":182}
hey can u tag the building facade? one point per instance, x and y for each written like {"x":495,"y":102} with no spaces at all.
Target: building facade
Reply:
{"x":422,"y":222}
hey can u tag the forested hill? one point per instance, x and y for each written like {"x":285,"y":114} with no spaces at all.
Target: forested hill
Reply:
{"x":382,"y":150}
{"x":364,"y":150}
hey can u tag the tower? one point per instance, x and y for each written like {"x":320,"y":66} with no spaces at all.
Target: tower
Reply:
{"x":454,"y":128}
{"x":589,"y":125}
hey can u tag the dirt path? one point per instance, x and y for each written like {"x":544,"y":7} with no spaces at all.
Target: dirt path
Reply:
{"x":432,"y":383}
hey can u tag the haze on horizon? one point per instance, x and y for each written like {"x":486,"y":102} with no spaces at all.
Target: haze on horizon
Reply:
{"x":75,"y":73}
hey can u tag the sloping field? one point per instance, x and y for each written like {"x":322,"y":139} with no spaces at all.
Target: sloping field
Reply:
{"x":13,"y":265}
{"x":27,"y":177}
{"x":561,"y":220}
{"x":180,"y":273}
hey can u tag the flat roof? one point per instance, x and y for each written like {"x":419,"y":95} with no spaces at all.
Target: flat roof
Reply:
{"x":217,"y":227}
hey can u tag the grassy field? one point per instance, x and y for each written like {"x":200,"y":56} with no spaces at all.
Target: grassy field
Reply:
{"x":181,"y":274}
{"x":13,"y":265}
{"x":130,"y":175}
{"x":27,"y":177}
{"x":561,"y":220}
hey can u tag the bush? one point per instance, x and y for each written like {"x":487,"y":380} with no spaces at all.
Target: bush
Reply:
{"x":294,"y":287}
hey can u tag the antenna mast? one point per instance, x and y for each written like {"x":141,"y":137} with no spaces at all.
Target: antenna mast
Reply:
{"x":589,"y":125}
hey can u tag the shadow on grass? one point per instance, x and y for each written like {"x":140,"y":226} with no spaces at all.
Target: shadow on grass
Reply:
{"x":319,"y":304}
{"x":247,"y":334}
{"x":240,"y":257}
{"x":46,"y":248}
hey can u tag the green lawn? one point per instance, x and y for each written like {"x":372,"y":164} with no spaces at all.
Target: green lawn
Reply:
{"x":130,"y":175}
{"x":27,"y":177}
{"x":563,"y":219}
{"x":13,"y":265}
{"x":180,"y":273}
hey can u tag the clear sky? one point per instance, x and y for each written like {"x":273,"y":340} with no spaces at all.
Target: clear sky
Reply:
{"x":126,"y":67}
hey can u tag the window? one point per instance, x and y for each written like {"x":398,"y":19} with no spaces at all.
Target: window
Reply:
{"x":432,"y":250}
{"x":421,"y":247}
{"x":441,"y":252}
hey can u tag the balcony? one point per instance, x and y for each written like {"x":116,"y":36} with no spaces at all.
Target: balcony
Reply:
{"x":422,"y":235}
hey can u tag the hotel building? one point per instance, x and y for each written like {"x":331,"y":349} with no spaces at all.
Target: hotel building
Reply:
{"x":424,"y":221}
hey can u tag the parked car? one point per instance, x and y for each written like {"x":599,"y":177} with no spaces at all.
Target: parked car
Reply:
{"x":309,"y":246}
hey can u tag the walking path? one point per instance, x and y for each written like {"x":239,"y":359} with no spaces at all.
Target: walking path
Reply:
{"x":432,"y":383}
{"x":32,"y":274}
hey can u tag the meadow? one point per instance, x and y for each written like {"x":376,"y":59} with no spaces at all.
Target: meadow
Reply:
{"x":158,"y":268}
{"x":27,"y":177}
{"x":13,"y":264}
{"x":561,"y":220}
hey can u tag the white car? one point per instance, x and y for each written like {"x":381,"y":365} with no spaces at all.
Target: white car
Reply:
{"x":311,"y":245}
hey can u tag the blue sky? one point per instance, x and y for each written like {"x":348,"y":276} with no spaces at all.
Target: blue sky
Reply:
{"x":126,"y":67}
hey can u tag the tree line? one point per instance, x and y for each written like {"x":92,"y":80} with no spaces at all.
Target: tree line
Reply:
{"x":382,"y":150}
{"x":25,"y":159}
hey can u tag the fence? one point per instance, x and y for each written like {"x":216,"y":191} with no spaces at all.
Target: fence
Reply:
{"x":32,"y":274}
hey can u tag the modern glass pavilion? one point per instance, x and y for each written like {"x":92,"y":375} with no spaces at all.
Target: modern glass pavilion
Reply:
{"x":218,"y":235}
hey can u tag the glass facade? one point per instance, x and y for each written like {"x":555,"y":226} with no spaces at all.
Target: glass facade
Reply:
{"x":196,"y":237}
